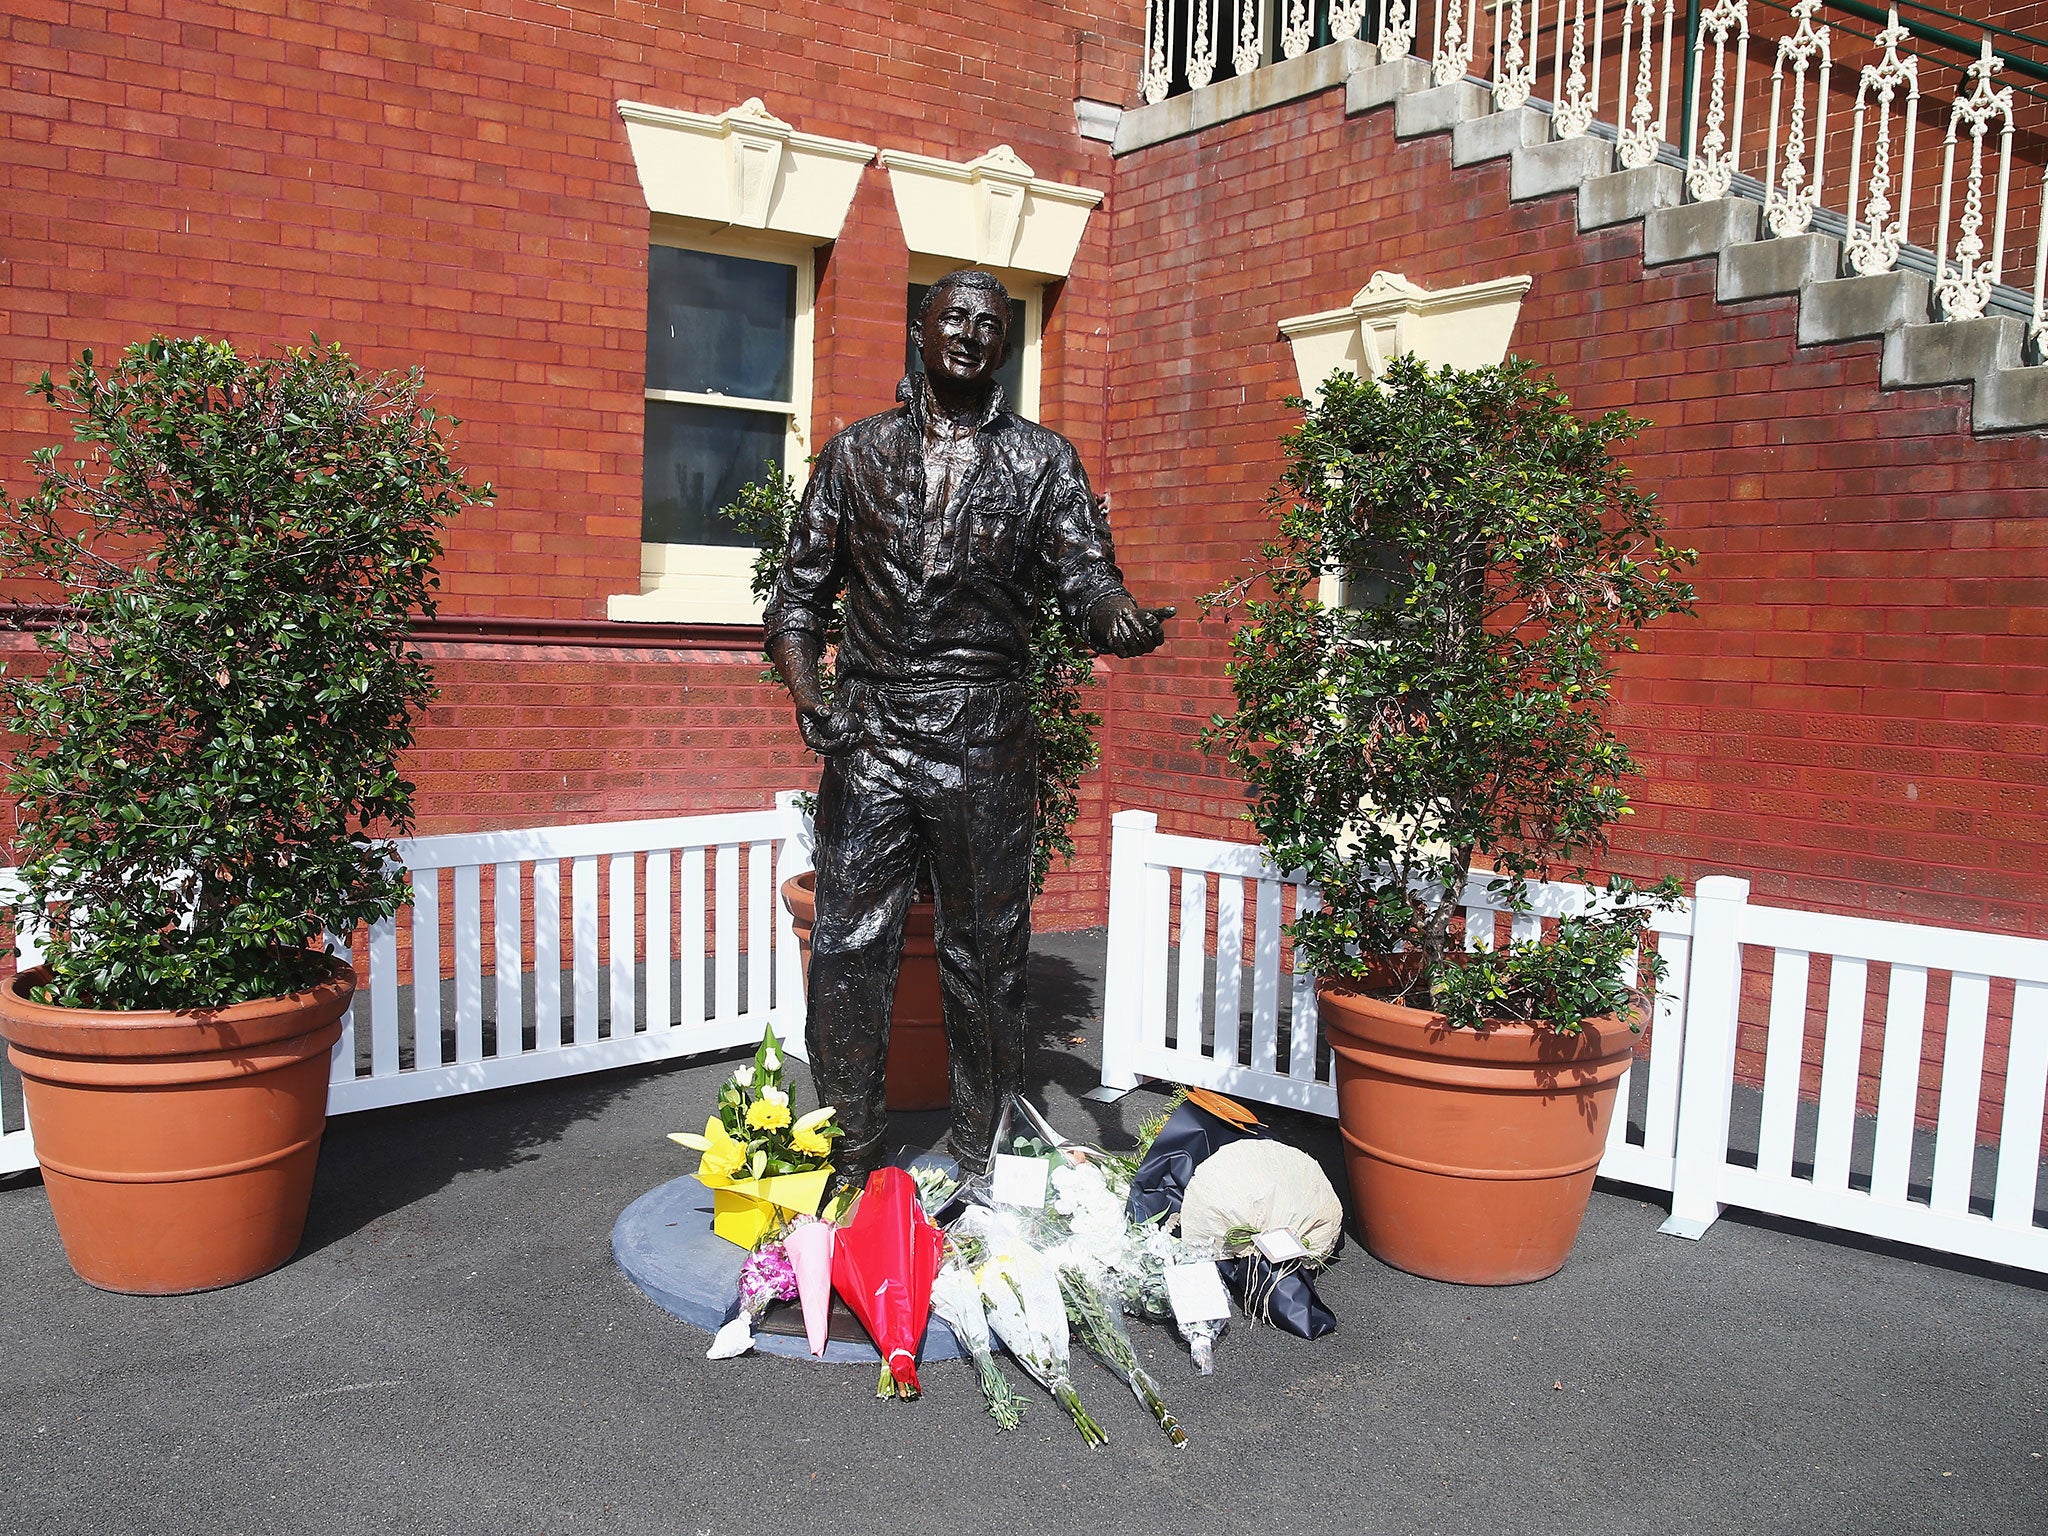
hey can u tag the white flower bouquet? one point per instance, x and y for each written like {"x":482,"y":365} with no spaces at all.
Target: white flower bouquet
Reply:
{"x":957,"y":1298}
{"x":1021,"y":1295}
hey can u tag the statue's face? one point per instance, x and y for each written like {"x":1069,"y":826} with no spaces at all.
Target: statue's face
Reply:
{"x":965,"y":336}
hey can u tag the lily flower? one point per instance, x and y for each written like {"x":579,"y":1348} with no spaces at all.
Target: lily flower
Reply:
{"x":723,"y":1156}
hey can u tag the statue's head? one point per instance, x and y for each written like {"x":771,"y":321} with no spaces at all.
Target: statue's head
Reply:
{"x":962,"y":329}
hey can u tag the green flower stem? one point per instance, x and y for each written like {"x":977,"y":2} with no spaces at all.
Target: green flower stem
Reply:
{"x":1004,"y":1405}
{"x":1070,"y":1400}
{"x":1104,"y":1338}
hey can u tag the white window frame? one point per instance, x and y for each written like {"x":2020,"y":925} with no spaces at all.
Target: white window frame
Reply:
{"x":709,"y":583}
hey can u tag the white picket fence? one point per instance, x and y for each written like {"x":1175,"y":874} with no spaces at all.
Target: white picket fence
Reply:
{"x":1172,"y":1012}
{"x":700,"y":956}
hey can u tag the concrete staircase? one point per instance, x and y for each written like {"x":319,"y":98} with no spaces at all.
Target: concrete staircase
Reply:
{"x":1893,"y":309}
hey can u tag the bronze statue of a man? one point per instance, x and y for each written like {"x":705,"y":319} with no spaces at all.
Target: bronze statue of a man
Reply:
{"x":940,"y":521}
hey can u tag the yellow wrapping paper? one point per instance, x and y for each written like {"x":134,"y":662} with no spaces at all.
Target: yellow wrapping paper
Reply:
{"x":743,"y":1211}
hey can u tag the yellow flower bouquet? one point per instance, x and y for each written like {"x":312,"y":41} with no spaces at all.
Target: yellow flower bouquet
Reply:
{"x":762,"y":1163}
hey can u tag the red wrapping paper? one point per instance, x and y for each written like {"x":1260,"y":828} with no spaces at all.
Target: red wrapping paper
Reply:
{"x":883,"y":1264}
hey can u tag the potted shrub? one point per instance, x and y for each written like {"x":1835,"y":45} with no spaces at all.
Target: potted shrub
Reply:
{"x":1061,"y":666}
{"x":1451,"y":715}
{"x":202,"y":770}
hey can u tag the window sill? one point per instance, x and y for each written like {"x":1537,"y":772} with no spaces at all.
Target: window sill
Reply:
{"x":691,"y":584}
{"x":684,"y":604}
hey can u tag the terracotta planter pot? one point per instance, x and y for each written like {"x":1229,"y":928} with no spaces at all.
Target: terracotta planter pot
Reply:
{"x":1471,"y":1152}
{"x":919,"y":1071}
{"x":177,"y":1147}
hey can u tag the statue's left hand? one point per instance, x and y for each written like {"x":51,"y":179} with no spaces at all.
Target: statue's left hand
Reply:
{"x":1122,"y":628}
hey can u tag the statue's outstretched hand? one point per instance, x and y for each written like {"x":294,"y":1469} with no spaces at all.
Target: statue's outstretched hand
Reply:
{"x":1122,"y":628}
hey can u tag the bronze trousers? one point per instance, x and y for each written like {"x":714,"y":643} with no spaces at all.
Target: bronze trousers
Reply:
{"x":944,"y":777}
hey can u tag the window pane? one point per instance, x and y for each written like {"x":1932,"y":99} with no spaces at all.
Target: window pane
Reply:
{"x":720,"y":325}
{"x":697,"y":458}
{"x":1010,"y":375}
{"x":1380,"y":580}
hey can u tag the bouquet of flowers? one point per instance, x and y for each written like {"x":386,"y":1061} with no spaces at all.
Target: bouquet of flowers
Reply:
{"x":1152,"y":1253}
{"x":1240,"y":1200}
{"x":1087,"y":1228}
{"x":761,"y":1161}
{"x":884,"y":1261}
{"x":957,"y":1299}
{"x":1086,"y":1225}
{"x":1085,"y":1235}
{"x":766,"y":1277}
{"x":1021,"y":1294}
{"x":1096,"y":1322}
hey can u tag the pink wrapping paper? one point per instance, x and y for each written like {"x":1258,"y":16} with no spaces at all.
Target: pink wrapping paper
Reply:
{"x":809,"y":1245}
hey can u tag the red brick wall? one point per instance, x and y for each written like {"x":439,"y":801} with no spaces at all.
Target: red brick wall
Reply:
{"x":1855,"y":720}
{"x":528,"y":734}
{"x":450,"y":186}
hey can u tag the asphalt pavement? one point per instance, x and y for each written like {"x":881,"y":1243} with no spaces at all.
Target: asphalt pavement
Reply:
{"x":454,"y":1351}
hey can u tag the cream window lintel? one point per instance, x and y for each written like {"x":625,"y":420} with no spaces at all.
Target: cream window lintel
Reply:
{"x":991,"y":211}
{"x":1464,"y":327}
{"x":744,"y":169}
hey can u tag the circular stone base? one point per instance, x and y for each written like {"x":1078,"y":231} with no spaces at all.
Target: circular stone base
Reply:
{"x":664,"y":1243}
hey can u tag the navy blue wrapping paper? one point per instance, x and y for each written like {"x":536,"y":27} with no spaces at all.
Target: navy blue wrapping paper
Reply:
{"x":1184,"y":1143}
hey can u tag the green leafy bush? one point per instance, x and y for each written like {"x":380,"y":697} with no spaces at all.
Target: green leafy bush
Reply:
{"x":1500,"y":557}
{"x":1581,"y":972}
{"x":205,"y":765}
{"x":1061,"y":666}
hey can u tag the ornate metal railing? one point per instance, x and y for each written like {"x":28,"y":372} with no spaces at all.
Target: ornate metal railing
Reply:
{"x":1918,"y":137}
{"x":1193,"y":43}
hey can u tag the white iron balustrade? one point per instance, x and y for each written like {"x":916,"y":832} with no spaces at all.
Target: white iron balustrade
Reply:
{"x":2037,"y":326}
{"x":1250,"y":50}
{"x":1874,"y":247}
{"x":1456,"y":22}
{"x":1563,"y":47}
{"x":1515,"y":57}
{"x":1964,"y":288}
{"x":1156,"y":79}
{"x":1397,"y":31}
{"x":1791,"y":199}
{"x":1577,"y":97}
{"x":1642,"y":133}
{"x":1710,"y":171}
{"x":1298,"y":29}
{"x":1202,"y":45}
